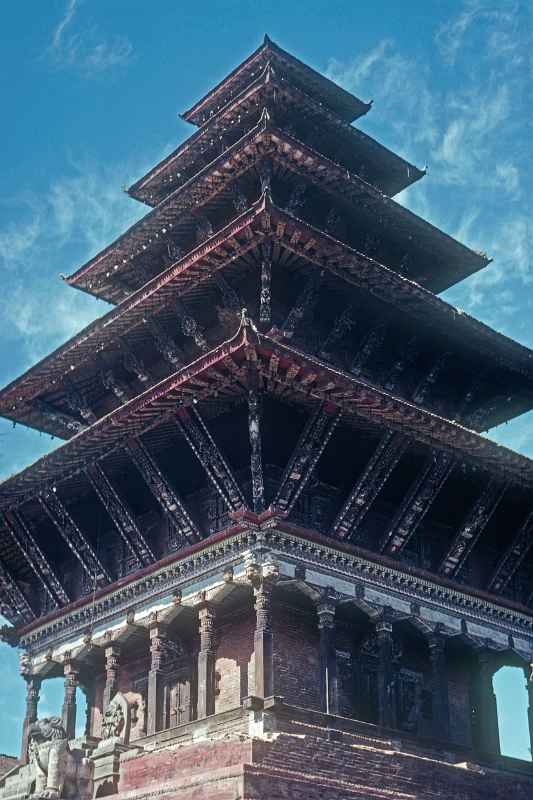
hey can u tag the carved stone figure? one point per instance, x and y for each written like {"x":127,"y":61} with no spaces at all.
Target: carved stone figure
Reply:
{"x":49,"y":757}
{"x":117,"y":719}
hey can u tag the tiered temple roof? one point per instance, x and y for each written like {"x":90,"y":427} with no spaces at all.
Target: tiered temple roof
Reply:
{"x":347,"y":399}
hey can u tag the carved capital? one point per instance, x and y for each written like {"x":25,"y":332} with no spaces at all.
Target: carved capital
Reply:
{"x":206,"y":618}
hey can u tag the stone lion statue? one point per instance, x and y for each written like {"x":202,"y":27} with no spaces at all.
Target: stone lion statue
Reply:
{"x":49,"y":757}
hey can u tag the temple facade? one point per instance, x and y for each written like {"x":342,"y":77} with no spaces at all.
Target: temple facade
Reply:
{"x":274,"y":551}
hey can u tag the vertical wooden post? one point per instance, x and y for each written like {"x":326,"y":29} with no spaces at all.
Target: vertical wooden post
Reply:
{"x":112,"y":668}
{"x":89,"y":690}
{"x":155,"y":710}
{"x":206,"y":662}
{"x":263,"y":640}
{"x":328,"y":657}
{"x":68,"y":713}
{"x":439,"y":684}
{"x":386,"y":693}
{"x":33,"y":688}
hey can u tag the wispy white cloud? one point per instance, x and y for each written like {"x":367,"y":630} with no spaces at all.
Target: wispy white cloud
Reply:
{"x":54,"y":233}
{"x":86,"y":50}
{"x":465,"y":115}
{"x":450,"y":36}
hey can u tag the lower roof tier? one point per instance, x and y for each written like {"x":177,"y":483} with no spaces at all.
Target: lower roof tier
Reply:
{"x":256,"y":425}
{"x":313,"y":290}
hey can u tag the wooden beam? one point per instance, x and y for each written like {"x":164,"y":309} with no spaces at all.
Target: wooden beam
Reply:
{"x":191,"y":328}
{"x":390,"y":449}
{"x":13,"y":603}
{"x":120,"y":515}
{"x":513,"y":557}
{"x":256,"y":456}
{"x":75,"y":539}
{"x":472,"y":528}
{"x":311,"y":445}
{"x":208,"y":454}
{"x":24,"y":539}
{"x":163,"y":491}
{"x":304,"y":303}
{"x":417,"y":502}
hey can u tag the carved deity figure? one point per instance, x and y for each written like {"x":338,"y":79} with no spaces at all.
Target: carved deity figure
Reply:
{"x":113,"y":723}
{"x":49,"y":757}
{"x":117,"y":720}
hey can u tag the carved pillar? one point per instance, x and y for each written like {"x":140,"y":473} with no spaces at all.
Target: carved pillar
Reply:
{"x":112,"y":668}
{"x":89,"y":691}
{"x":488,"y":737}
{"x":328,"y":658}
{"x":68,"y":713}
{"x":33,"y":688}
{"x":155,"y":710}
{"x":439,"y":685}
{"x":386,"y":688}
{"x":263,"y":639}
{"x":206,"y":662}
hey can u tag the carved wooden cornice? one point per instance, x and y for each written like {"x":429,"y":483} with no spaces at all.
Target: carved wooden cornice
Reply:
{"x":227,"y":548}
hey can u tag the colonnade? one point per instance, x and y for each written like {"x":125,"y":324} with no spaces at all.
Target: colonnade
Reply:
{"x":204,"y":655}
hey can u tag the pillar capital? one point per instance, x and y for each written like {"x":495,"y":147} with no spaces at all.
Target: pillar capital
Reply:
{"x":326,"y":608}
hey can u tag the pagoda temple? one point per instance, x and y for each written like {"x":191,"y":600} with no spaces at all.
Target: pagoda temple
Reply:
{"x":275,"y":551}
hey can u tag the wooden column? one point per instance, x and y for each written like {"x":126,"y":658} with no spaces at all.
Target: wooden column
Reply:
{"x":328,"y":657}
{"x":487,"y":713}
{"x":439,"y":685}
{"x":112,"y":668}
{"x":386,"y":692}
{"x":33,"y":688}
{"x":206,"y":662}
{"x":158,"y":647}
{"x":89,"y":689}
{"x":68,"y":713}
{"x":263,"y":640}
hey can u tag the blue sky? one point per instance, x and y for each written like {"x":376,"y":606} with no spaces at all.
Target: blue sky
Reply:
{"x":90,"y":95}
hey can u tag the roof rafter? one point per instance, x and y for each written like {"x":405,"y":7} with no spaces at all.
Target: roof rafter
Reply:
{"x":120,"y":515}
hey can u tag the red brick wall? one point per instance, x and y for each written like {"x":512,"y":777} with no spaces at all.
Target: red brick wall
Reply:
{"x":7,"y":763}
{"x":235,"y":662}
{"x":296,"y":657}
{"x":175,"y":764}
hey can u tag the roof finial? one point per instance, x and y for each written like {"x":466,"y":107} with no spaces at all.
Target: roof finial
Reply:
{"x":267,"y":39}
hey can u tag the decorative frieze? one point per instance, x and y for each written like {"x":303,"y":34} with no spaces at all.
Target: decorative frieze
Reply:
{"x":335,"y":565}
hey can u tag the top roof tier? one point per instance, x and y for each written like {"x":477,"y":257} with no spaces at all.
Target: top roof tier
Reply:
{"x":343,"y":103}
